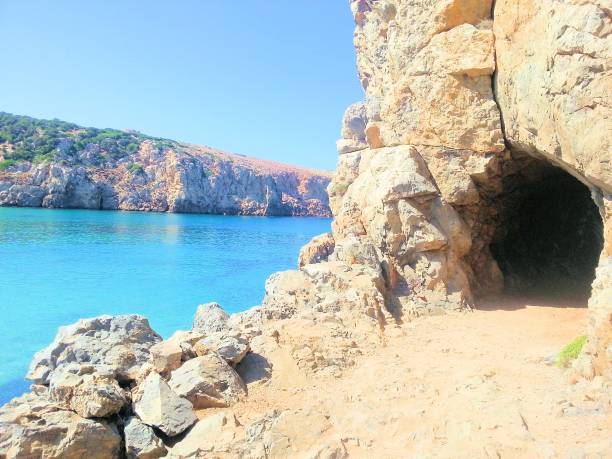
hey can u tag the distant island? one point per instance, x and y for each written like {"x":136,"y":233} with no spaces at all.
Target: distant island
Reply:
{"x":56,"y":164}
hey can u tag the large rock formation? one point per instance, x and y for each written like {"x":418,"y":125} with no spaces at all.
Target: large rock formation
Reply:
{"x":437,"y":203}
{"x":130,"y":171}
{"x":432,"y":187}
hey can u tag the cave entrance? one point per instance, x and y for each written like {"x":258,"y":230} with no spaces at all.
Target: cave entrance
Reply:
{"x":547,"y":233}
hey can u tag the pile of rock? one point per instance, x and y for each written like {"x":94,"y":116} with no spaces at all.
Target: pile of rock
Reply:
{"x":110,"y":386}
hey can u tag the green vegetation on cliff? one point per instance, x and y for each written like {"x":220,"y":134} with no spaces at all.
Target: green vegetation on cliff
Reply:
{"x":31,"y":139}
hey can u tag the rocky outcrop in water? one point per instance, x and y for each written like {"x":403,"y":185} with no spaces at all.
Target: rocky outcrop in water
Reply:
{"x":149,"y":175}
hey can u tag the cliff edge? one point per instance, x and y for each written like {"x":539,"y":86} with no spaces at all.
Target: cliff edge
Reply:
{"x":51,"y":163}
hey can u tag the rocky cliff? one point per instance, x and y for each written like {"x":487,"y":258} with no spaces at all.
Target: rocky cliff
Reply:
{"x":477,"y":165}
{"x":61,"y":165}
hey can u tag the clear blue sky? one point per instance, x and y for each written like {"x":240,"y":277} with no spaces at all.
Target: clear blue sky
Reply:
{"x":263,"y":78}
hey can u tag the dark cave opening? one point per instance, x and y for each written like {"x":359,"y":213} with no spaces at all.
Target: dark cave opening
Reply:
{"x":548,"y":233}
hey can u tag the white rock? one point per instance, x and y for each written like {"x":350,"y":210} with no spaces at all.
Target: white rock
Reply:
{"x":210,"y":318}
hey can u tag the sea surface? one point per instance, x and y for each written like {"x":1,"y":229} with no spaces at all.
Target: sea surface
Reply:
{"x":57,"y":266}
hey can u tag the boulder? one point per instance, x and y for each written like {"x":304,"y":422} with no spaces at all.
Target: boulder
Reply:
{"x":166,"y":356}
{"x":169,"y":354}
{"x":90,"y":396}
{"x":118,"y":343}
{"x":33,"y":427}
{"x":141,"y":441}
{"x":210,"y":318}
{"x":158,"y":406}
{"x":208,"y":381}
{"x":317,"y":250}
{"x":232,"y":348}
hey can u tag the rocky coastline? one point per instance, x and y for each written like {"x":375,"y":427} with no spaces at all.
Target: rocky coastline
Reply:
{"x":430,"y":193}
{"x":148,"y":174}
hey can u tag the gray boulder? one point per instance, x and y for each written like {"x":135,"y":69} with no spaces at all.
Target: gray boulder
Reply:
{"x":208,"y":381}
{"x":158,"y":406}
{"x":141,"y":441}
{"x":107,"y":343}
{"x":210,"y":318}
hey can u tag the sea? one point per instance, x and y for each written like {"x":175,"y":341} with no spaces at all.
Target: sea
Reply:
{"x":57,"y":266}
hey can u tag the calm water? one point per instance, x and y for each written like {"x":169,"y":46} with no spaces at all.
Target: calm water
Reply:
{"x":57,"y":266}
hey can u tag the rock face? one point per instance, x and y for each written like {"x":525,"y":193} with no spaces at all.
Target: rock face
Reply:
{"x":426,"y":185}
{"x":553,"y":82}
{"x":436,"y":206}
{"x":150,"y":175}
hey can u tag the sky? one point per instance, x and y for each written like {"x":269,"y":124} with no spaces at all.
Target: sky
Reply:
{"x":269,"y":78}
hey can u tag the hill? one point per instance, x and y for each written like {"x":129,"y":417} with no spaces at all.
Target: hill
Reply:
{"x":53,"y":163}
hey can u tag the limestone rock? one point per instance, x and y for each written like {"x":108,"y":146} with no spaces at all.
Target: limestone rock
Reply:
{"x":90,"y":396}
{"x":426,"y":69}
{"x":158,"y":406}
{"x":232,"y":348}
{"x":169,"y":354}
{"x":141,"y":441}
{"x":33,"y":427}
{"x":207,"y":381}
{"x":554,"y":81}
{"x":210,"y":318}
{"x":317,"y":250}
{"x":166,"y":356}
{"x":119,"y":343}
{"x":353,"y":129}
{"x":98,"y":398}
{"x":163,"y":176}
{"x":213,"y":434}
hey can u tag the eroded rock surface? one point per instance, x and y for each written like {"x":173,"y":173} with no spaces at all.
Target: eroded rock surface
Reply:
{"x":337,"y":360}
{"x":157,"y":405}
{"x":155,"y":175}
{"x":34,"y":427}
{"x":109,"y":343}
{"x":207,"y":381}
{"x":141,"y":442}
{"x":317,"y":250}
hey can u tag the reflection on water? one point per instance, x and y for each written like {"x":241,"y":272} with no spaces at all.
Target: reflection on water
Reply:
{"x":60,"y":265}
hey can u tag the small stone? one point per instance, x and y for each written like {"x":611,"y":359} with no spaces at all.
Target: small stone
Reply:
{"x":141,"y":441}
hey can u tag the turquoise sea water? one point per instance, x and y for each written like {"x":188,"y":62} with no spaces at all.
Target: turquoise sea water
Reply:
{"x":57,"y":266}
